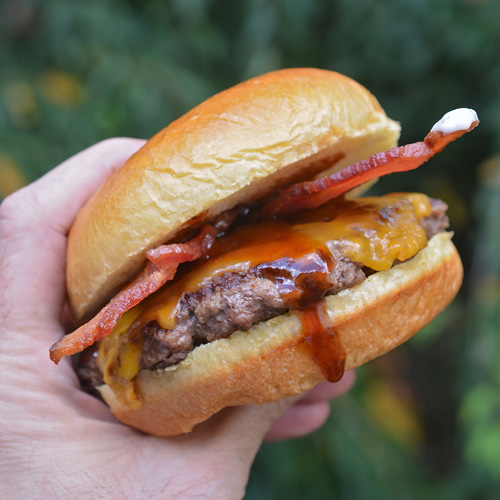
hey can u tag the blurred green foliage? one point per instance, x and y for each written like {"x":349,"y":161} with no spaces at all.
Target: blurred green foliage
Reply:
{"x":422,"y":422}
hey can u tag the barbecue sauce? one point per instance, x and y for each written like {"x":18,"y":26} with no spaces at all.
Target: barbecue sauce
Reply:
{"x":324,"y":343}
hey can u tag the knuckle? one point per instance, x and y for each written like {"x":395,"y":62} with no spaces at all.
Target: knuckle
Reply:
{"x":11,"y":206}
{"x":114,"y":143}
{"x":17,"y":211}
{"x":108,"y":143}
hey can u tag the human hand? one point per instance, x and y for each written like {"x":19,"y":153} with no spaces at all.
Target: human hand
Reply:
{"x":57,"y":441}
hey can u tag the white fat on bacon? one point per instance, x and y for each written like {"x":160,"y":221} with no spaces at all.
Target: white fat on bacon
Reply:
{"x":453,"y":121}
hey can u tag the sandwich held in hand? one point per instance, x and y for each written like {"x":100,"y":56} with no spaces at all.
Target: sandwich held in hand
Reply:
{"x":229,"y":261}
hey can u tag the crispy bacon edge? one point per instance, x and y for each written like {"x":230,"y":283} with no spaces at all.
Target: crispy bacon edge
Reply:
{"x":312,"y":194}
{"x":162,"y":266}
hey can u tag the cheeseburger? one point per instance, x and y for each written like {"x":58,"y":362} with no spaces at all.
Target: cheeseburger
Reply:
{"x":231,"y":260}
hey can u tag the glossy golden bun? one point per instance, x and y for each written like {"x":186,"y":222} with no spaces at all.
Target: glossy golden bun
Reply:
{"x":272,"y":360}
{"x":233,"y":148}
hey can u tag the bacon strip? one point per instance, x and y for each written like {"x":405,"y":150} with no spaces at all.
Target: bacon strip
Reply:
{"x":312,"y":194}
{"x":162,"y":266}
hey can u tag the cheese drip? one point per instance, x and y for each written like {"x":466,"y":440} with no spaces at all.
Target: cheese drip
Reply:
{"x":375,"y":232}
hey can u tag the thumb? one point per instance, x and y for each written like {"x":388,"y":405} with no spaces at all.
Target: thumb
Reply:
{"x":238,"y":432}
{"x":222,"y":449}
{"x":252,"y":423}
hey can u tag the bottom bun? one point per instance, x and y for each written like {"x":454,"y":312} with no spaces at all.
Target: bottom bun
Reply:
{"x":273,"y":361}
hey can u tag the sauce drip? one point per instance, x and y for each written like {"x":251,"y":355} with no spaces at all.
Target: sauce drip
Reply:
{"x":326,"y":348}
